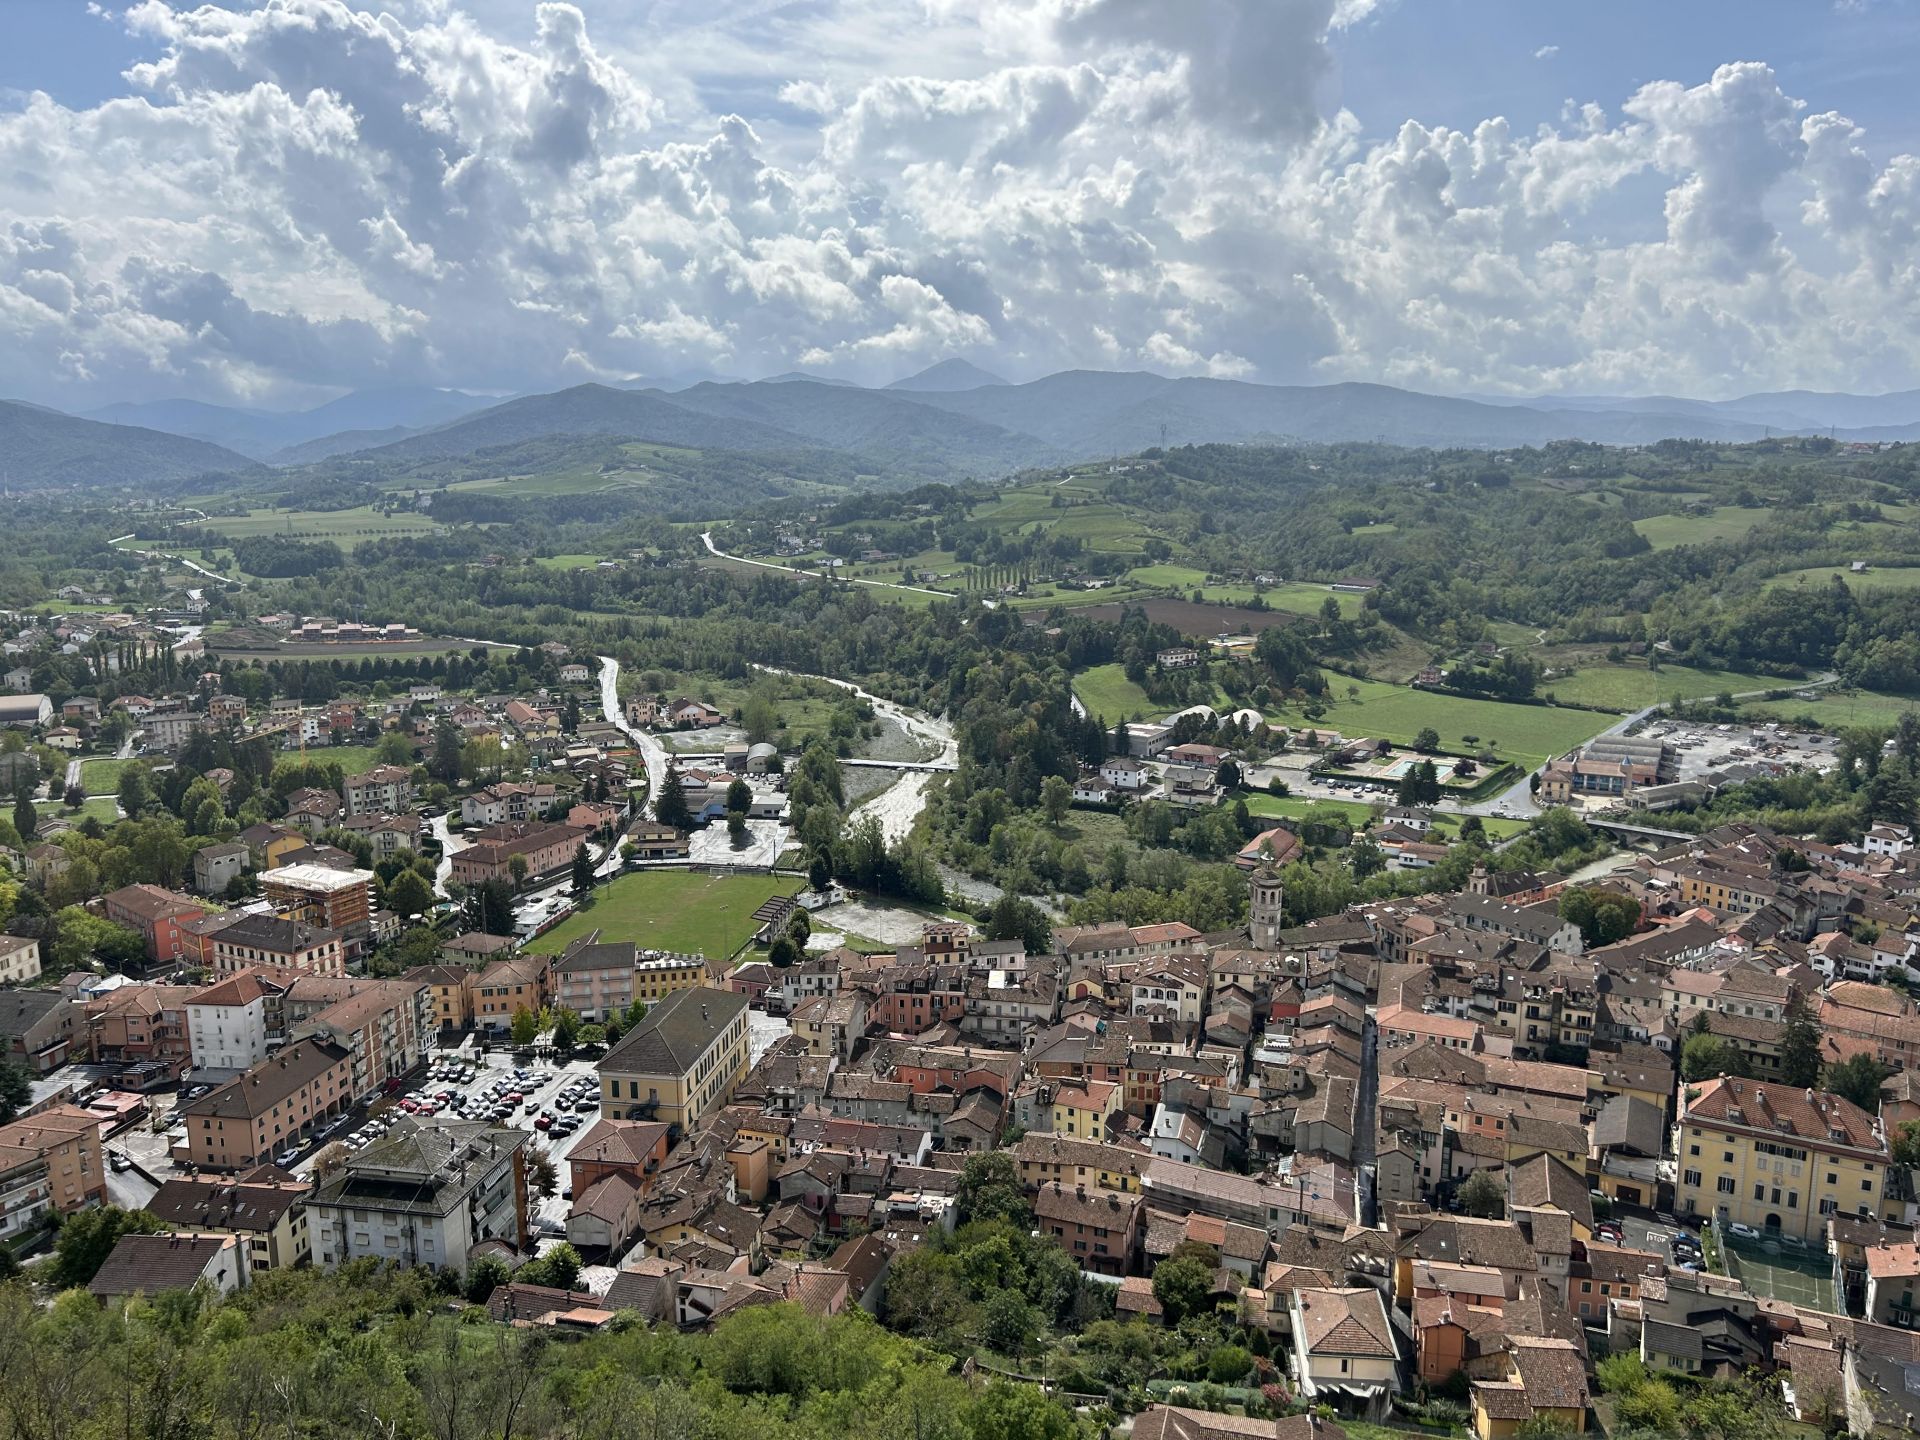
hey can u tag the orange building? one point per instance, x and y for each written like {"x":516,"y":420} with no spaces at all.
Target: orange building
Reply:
{"x":49,"y":1160}
{"x":157,"y":914}
{"x":270,"y":1109}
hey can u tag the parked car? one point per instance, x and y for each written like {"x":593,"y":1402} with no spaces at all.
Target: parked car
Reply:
{"x":1745,"y":1232}
{"x":119,"y":1160}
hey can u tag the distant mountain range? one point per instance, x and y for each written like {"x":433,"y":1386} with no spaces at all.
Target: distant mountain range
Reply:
{"x":264,"y":434}
{"x":44,"y":449}
{"x":949,"y":421}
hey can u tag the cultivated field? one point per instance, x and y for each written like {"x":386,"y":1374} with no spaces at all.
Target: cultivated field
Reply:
{"x":673,"y":910}
{"x":1531,"y":734}
{"x":1893,"y":577}
{"x":1726,"y":522}
{"x":345,"y":527}
{"x":1632,"y":686}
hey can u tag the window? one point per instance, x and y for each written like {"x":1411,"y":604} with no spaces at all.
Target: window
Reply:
{"x":1693,"y":1149}
{"x":1724,"y":1185}
{"x":1691,"y":1177}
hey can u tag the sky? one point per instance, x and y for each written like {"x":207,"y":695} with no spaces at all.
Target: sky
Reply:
{"x":270,"y":202}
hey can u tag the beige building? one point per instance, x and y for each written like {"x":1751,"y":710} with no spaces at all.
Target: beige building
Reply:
{"x":265,"y":1206}
{"x":272,"y":1108}
{"x":19,"y":960}
{"x":49,"y":1164}
{"x":1777,"y":1158}
{"x":681,"y":1061}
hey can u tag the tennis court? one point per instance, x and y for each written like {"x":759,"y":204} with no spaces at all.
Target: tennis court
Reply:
{"x":1799,"y":1276}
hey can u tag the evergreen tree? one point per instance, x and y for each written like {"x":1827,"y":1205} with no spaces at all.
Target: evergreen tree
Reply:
{"x":582,"y":869}
{"x":1799,"y":1046}
{"x":25,"y":818}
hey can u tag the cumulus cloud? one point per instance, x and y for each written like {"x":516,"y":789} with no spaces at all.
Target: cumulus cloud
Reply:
{"x":329,"y":193}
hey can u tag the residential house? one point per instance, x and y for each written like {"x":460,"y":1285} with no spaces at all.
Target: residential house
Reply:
{"x":152,"y":1265}
{"x":429,"y":1192}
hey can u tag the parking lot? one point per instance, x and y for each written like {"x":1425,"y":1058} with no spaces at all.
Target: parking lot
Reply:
{"x":1704,"y":749}
{"x":554,"y":1103}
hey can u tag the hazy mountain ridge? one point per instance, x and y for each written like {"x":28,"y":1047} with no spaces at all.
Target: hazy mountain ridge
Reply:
{"x":955,"y":420}
{"x":263,"y":434}
{"x":44,"y":448}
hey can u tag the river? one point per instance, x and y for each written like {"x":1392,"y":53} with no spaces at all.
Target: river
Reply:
{"x":651,"y":750}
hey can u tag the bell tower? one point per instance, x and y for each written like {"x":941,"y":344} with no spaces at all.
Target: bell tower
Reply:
{"x":1265,"y":919}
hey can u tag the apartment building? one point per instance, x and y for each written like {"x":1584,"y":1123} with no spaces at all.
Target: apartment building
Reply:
{"x":233,"y":1023}
{"x":265,"y":1206}
{"x":426,"y":1193}
{"x":19,"y":960}
{"x":679,"y":1062}
{"x":156,"y":914}
{"x":270,"y":943}
{"x":274,"y":1106}
{"x":50,"y":1164}
{"x":382,"y":790}
{"x":1777,"y":1158}
{"x":386,"y":1026}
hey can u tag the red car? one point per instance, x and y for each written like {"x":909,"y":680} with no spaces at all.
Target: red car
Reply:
{"x":543,"y":1123}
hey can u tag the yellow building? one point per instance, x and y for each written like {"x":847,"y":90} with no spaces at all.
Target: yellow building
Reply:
{"x":681,"y":1061}
{"x":1045,"y":1158}
{"x":1084,"y":1111}
{"x":1545,"y":1384}
{"x":658,"y":976}
{"x":1776,"y":1158}
{"x":265,"y":1206}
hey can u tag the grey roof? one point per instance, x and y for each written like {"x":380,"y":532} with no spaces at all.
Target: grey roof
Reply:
{"x":675,"y":1033}
{"x":423,"y":1166}
{"x":270,"y":932}
{"x":1681,"y":1340}
{"x":1628,"y":1123}
{"x":149,"y":1264}
{"x":21,"y":1010}
{"x":597,"y":955}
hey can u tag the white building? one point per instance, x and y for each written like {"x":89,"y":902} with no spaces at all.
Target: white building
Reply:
{"x":1888,"y":839}
{"x":19,"y":960}
{"x":425,"y":1194}
{"x":229,"y":1025}
{"x":1123,"y":772}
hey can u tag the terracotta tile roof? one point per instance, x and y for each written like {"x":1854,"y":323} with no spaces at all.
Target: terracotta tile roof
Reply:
{"x":1345,"y":1322}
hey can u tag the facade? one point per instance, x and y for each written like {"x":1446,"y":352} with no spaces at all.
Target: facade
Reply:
{"x":1776,"y":1158}
{"x":681,"y":1061}
{"x":265,"y":1207}
{"x":426,"y":1193}
{"x":544,"y":848}
{"x":508,"y":986}
{"x":385,"y":1026}
{"x":156,"y":914}
{"x":219,"y":865}
{"x":270,"y":1109}
{"x":385,"y":789}
{"x":232,"y":1023}
{"x":271,"y":943}
{"x":19,"y":960}
{"x":50,"y":1164}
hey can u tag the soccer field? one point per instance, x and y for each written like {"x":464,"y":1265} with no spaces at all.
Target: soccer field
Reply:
{"x":681,"y":910}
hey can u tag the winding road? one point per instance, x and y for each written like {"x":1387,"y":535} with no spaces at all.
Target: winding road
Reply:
{"x":706,"y":537}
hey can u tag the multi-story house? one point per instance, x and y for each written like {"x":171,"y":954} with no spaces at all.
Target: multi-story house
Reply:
{"x":385,"y":789}
{"x":385,"y":1026}
{"x":50,"y":1165}
{"x":156,"y":914}
{"x":681,"y":1061}
{"x":1777,"y":1158}
{"x":265,"y":1206}
{"x":270,"y":1109}
{"x":268,"y":942}
{"x":234,"y":1023}
{"x":19,"y":959}
{"x":426,"y":1193}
